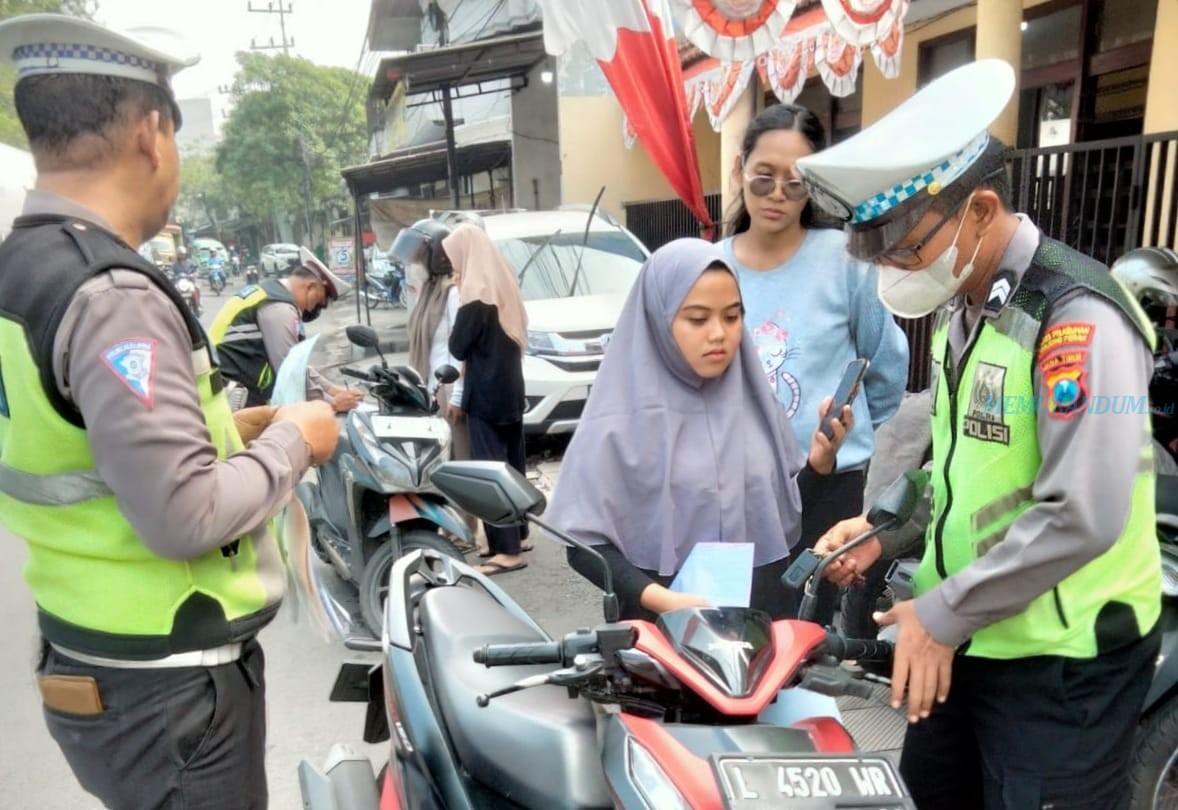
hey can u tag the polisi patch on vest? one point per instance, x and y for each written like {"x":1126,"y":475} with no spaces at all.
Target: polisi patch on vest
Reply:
{"x":133,"y":362}
{"x":984,"y":420}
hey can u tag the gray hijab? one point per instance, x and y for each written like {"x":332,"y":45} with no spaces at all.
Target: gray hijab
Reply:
{"x":664,"y":459}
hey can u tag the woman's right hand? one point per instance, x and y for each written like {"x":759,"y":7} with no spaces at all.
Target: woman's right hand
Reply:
{"x":658,"y":599}
{"x":454,"y":414}
{"x":848,"y":569}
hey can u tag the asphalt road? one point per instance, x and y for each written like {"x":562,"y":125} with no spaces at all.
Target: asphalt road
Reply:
{"x":301,"y":667}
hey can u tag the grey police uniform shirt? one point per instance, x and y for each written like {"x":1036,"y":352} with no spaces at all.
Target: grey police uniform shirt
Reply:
{"x":155,"y":452}
{"x":1084,"y":486}
{"x":278,"y":322}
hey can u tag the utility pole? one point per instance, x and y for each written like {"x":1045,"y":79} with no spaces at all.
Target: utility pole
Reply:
{"x":284,"y":8}
{"x":442,"y":25}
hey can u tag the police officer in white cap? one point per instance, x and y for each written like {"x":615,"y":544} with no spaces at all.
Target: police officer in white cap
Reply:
{"x":256,"y":328}
{"x":1028,"y":650}
{"x":149,"y":551}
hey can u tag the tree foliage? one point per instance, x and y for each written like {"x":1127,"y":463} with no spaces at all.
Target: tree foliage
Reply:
{"x":294,"y":124}
{"x":10,"y":129}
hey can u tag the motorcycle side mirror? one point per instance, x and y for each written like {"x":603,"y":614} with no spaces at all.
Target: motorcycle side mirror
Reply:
{"x":899,"y":500}
{"x":492,"y":491}
{"x":502,"y":496}
{"x":363,"y":336}
{"x":446,"y":374}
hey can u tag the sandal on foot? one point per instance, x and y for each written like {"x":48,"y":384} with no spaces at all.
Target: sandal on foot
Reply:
{"x":499,"y":568}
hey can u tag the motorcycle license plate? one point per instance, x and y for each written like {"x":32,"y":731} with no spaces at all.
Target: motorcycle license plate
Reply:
{"x":764,"y":782}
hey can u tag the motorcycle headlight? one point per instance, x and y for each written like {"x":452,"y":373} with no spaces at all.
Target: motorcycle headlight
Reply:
{"x":388,"y":472}
{"x":653,"y":784}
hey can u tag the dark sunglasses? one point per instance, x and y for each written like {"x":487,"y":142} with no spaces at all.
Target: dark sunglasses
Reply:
{"x":762,"y":185}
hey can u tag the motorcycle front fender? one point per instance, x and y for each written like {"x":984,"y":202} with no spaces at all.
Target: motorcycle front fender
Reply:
{"x":405,"y":507}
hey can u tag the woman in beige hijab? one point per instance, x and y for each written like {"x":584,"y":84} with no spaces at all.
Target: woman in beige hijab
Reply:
{"x":489,"y":336}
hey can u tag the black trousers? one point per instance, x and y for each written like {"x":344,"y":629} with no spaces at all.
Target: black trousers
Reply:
{"x":1032,"y":733}
{"x":491,"y":442}
{"x":192,"y":738}
{"x":833,"y":498}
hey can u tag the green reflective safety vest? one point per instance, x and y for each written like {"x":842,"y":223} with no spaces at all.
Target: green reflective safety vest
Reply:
{"x":99,"y":589}
{"x":240,"y":349}
{"x":985,"y":460}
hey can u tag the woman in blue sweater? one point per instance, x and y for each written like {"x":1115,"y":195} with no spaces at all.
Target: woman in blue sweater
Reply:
{"x":811,"y":309}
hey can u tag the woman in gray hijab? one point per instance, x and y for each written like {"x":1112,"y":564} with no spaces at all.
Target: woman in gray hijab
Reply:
{"x":682,"y":442}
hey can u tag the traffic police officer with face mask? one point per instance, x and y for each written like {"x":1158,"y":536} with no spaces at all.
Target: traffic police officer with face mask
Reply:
{"x":257,"y":328}
{"x":149,"y":551}
{"x":1028,"y":650}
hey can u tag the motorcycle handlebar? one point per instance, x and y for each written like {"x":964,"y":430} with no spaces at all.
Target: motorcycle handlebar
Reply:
{"x":858,"y":649}
{"x":505,"y":655}
{"x":359,"y":375}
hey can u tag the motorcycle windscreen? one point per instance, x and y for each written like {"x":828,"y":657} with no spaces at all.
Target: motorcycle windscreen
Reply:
{"x":731,"y":646}
{"x":290,"y":384}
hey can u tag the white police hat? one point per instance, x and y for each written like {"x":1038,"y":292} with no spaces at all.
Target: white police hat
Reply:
{"x":42,"y":44}
{"x":882,"y":180}
{"x":336,"y":286}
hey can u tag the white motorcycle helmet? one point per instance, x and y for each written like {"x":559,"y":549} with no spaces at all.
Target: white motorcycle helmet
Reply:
{"x":1151,"y":276}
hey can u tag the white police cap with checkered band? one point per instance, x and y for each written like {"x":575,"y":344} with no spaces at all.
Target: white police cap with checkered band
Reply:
{"x":40,"y":44}
{"x":884,"y":173}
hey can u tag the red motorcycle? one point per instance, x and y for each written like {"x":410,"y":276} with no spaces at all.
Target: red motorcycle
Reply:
{"x":651,"y":716}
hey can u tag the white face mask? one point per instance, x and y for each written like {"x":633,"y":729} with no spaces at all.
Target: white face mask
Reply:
{"x":916,"y":293}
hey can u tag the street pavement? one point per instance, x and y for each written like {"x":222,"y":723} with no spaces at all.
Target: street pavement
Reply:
{"x":301,"y":667}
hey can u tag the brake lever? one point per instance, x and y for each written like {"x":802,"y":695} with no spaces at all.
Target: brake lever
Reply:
{"x":583,"y":668}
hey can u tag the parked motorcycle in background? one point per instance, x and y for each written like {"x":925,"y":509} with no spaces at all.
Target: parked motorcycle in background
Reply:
{"x":637,"y":715}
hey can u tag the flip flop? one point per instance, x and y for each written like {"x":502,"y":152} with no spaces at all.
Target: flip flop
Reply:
{"x":524,"y":548}
{"x":497,"y":568}
{"x":463,"y":546}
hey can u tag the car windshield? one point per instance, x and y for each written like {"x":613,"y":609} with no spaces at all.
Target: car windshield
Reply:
{"x":612,"y":261}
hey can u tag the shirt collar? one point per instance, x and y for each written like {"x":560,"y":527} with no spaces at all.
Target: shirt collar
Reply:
{"x":38,"y":201}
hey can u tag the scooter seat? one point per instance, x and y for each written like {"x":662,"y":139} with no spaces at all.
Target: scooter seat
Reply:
{"x":537,"y":748}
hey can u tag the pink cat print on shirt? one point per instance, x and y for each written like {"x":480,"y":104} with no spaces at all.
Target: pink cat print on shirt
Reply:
{"x":773,"y":348}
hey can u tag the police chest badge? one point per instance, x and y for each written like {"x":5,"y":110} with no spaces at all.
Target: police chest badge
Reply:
{"x":983,"y":421}
{"x":133,"y":362}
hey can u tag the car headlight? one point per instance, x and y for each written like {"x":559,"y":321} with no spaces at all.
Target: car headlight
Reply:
{"x":655,"y":787}
{"x":540,"y":343}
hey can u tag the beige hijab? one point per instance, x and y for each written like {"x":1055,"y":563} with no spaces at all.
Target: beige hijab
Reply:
{"x":487,"y":277}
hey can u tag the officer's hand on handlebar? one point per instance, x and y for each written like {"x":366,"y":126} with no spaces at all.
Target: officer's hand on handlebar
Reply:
{"x":316,"y":421}
{"x":848,"y":569}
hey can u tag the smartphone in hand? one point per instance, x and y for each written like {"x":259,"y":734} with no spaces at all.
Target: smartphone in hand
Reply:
{"x":845,"y":394}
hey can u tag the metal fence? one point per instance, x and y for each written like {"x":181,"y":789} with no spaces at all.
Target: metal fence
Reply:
{"x":1102,"y":198}
{"x":656,"y":222}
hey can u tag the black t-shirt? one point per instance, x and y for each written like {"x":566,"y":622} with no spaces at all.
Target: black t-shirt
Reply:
{"x":493,"y":388}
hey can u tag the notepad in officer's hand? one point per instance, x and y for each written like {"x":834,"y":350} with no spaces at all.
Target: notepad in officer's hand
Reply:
{"x":721,"y":573}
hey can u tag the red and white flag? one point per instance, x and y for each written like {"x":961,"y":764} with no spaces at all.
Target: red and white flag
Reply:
{"x":634,"y":43}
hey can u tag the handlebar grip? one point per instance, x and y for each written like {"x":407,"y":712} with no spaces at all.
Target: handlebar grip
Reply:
{"x":506,"y":655}
{"x":866,"y":649}
{"x":349,"y":372}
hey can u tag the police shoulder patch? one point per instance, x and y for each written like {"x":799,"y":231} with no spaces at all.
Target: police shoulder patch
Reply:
{"x":133,"y":362}
{"x":1063,"y":364}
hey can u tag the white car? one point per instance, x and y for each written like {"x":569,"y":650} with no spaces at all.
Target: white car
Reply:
{"x":277,"y":259}
{"x":568,"y":329}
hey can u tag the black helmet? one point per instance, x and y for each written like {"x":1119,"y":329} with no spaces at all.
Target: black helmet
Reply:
{"x":421,"y":243}
{"x":1151,"y":276}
